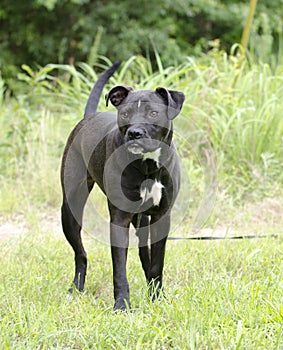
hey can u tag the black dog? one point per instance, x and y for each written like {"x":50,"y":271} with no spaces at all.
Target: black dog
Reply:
{"x":133,"y":160}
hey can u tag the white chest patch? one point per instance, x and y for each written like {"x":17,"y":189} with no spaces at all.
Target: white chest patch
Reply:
{"x":155,"y":193}
{"x":153,"y":155}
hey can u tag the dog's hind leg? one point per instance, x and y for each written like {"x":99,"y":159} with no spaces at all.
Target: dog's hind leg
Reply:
{"x":77,"y":185}
{"x":142,"y":231}
{"x":159,"y":231}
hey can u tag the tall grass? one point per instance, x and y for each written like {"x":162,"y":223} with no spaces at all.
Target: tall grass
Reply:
{"x":243,"y":122}
{"x":231,"y":120}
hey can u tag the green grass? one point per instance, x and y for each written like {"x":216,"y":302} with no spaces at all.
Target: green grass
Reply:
{"x":220,"y":295}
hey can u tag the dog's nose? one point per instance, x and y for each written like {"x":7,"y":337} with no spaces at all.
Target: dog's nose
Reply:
{"x":135,"y":134}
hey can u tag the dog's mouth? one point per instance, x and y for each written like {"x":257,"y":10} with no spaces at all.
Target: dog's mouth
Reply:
{"x":142,"y":146}
{"x":135,"y":148}
{"x":140,"y":139}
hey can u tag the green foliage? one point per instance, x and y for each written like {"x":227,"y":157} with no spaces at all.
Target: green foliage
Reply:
{"x":243,"y":122}
{"x":60,"y":31}
{"x":231,"y":122}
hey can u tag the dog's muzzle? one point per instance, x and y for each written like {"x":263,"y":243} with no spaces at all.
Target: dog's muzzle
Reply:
{"x":137,"y":139}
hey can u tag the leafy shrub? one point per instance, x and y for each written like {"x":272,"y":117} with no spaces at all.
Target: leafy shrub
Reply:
{"x":61,"y":31}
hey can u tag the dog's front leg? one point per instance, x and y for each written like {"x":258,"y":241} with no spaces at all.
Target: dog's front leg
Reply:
{"x":142,"y":227}
{"x":119,"y":238}
{"x":159,"y":231}
{"x":120,"y":235}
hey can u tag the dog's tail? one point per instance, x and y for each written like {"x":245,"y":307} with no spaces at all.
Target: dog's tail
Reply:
{"x":93,"y":100}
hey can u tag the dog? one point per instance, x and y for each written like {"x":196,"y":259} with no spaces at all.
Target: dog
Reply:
{"x":132,"y":158}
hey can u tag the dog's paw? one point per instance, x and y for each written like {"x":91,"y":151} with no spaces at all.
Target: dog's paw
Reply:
{"x":122,"y":305}
{"x":155,"y":292}
{"x":73,"y":290}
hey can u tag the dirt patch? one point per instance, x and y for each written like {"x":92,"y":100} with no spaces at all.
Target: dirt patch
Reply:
{"x":12,"y":227}
{"x":17,"y":225}
{"x":264,"y":216}
{"x":260,"y":218}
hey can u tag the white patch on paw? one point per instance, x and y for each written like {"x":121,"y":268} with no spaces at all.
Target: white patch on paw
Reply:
{"x":155,"y":193}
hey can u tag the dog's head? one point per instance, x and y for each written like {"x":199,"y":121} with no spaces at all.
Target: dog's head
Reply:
{"x":145,"y":116}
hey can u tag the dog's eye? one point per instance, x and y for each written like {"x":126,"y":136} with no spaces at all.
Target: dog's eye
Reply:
{"x":153,"y":114}
{"x":124,"y":115}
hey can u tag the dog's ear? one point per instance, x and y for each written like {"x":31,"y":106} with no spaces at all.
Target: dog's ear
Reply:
{"x":174,"y":100}
{"x":117,"y":94}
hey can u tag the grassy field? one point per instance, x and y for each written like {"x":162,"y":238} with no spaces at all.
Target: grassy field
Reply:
{"x":220,"y":294}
